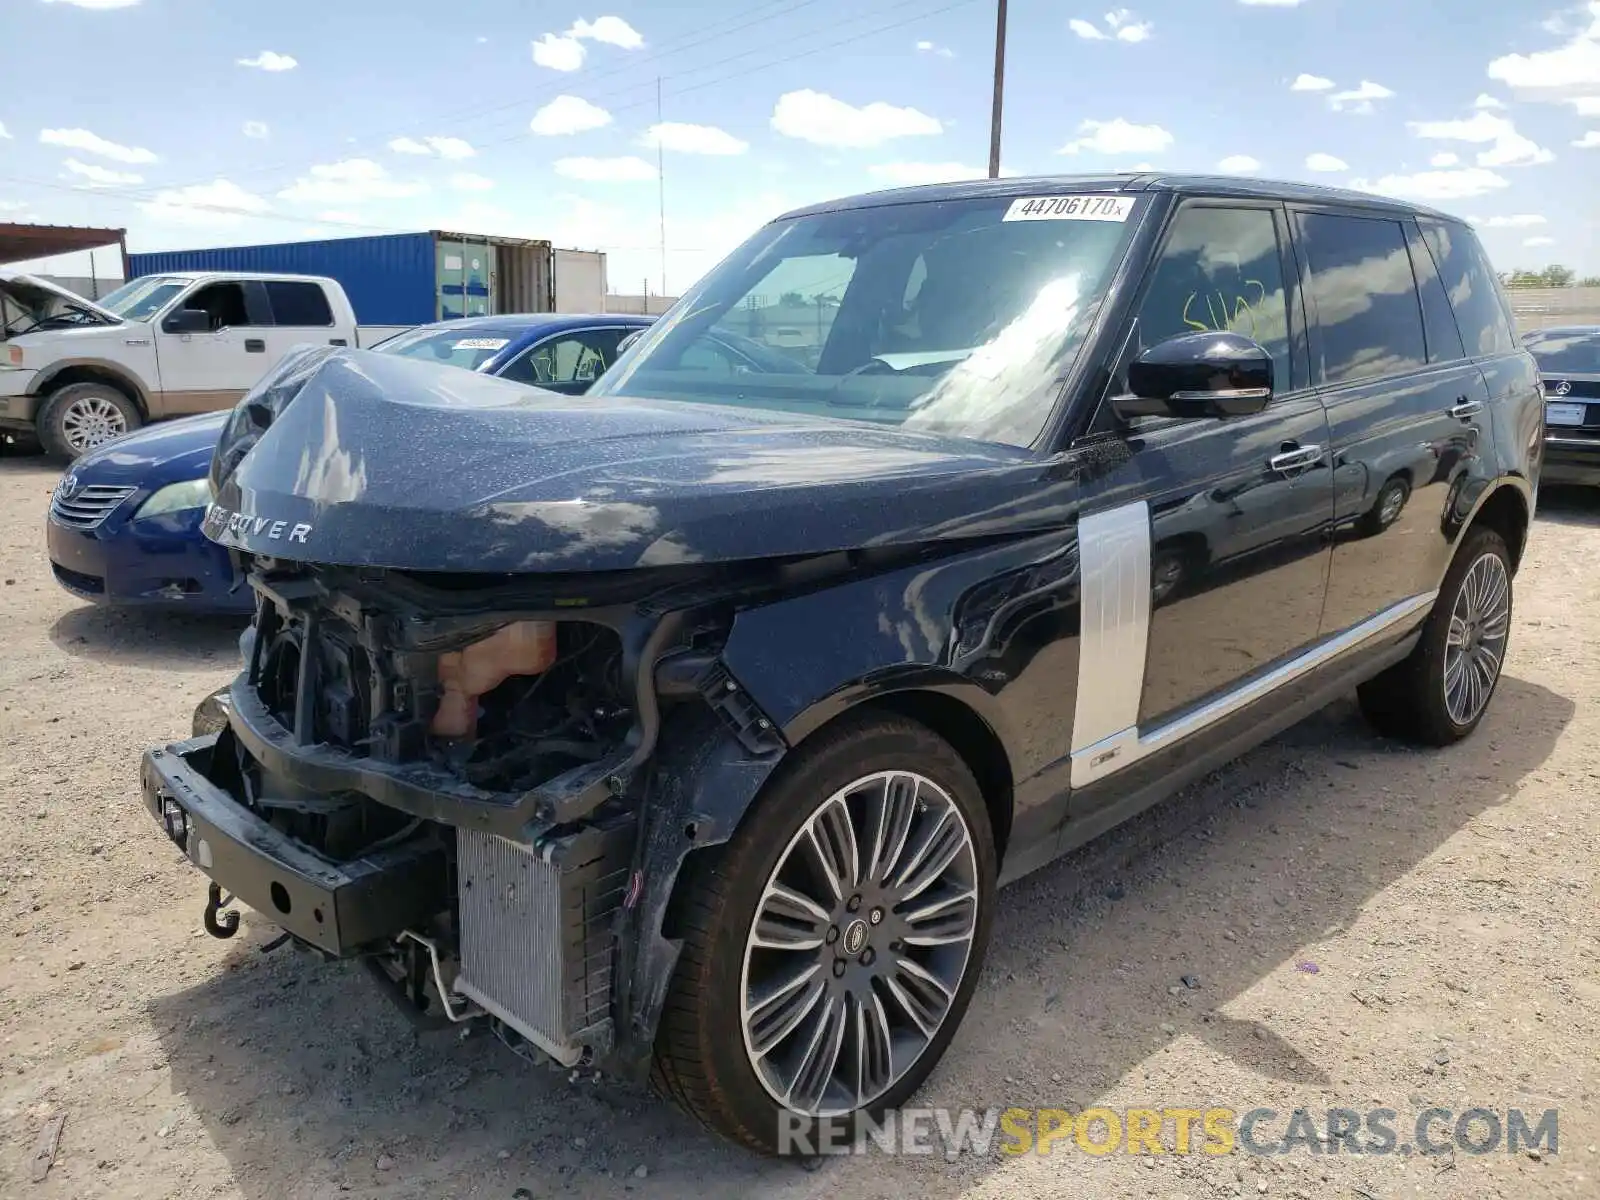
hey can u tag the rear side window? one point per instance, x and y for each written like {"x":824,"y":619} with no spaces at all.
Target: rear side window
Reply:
{"x":1474,"y":292}
{"x":1444,"y":337}
{"x":299,"y":304}
{"x":1368,"y":311}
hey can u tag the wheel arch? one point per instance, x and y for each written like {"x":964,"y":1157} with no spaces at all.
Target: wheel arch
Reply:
{"x":1506,"y":507}
{"x":93,"y":370}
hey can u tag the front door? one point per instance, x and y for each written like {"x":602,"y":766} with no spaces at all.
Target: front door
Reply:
{"x":201,"y":372}
{"x":1204,"y":542}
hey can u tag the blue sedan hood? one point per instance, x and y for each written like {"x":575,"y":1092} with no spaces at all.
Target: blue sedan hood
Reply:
{"x":159,"y":454}
{"x":353,"y":458}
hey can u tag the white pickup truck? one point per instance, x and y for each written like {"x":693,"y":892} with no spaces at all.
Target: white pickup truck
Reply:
{"x":75,"y":372}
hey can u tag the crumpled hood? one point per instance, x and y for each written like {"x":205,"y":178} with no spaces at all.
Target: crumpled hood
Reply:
{"x":361,"y":459}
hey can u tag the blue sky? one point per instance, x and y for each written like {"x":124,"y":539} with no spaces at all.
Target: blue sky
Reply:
{"x":199,"y":122}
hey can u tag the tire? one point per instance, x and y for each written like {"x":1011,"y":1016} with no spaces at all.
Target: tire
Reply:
{"x":1169,"y":571}
{"x":81,"y":416}
{"x":703,"y":1057}
{"x":1420,"y":699}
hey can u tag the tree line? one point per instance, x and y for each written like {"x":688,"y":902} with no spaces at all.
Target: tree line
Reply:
{"x":1553,"y":276}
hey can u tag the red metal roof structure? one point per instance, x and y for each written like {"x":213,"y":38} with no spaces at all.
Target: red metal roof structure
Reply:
{"x":19,"y":243}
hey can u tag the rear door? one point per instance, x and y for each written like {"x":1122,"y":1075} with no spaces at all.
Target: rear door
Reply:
{"x":301,"y":313}
{"x":1405,"y":406}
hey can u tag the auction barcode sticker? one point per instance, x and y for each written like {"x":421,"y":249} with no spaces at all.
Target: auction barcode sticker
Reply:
{"x":480,"y":344}
{"x":1069,"y":208}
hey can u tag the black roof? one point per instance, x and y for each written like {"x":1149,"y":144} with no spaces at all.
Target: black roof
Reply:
{"x":1148,"y":181}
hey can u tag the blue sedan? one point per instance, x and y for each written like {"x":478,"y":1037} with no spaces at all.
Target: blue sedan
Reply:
{"x":124,"y":525}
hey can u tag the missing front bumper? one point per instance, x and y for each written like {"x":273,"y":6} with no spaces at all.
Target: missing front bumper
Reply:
{"x":342,"y":909}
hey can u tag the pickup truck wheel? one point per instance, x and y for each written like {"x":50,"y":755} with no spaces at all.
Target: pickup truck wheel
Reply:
{"x":80,"y":416}
{"x":1440,"y":692}
{"x":830,"y":950}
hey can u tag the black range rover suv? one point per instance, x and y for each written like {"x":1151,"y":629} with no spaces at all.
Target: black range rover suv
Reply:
{"x":690,"y":727}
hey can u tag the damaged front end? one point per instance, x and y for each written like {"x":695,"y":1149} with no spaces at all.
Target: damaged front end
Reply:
{"x":454,"y":780}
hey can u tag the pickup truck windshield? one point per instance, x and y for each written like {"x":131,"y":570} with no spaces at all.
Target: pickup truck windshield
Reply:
{"x":141,"y":299}
{"x":956,"y":317}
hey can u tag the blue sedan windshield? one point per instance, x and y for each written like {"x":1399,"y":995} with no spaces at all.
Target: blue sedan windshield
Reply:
{"x":468,"y":348}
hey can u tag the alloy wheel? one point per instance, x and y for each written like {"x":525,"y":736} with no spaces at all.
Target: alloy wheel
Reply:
{"x":91,"y":420}
{"x":859,"y":943}
{"x":1475,"y":646}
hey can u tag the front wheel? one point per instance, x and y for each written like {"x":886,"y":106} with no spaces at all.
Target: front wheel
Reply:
{"x":832,"y":948}
{"x":1438,"y":694}
{"x":81,"y":416}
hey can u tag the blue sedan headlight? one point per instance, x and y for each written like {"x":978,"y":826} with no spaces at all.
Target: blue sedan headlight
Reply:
{"x":176,"y":497}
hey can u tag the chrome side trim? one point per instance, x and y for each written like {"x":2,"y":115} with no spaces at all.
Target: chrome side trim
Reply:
{"x":1255,"y":393}
{"x":1129,"y":745}
{"x":1114,"y":623}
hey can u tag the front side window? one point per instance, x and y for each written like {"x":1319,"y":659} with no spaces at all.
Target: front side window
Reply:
{"x":223,"y":302}
{"x":580,"y":357}
{"x":1471,"y":285}
{"x":1220,"y":269}
{"x":1368,"y":310}
{"x":956,"y":317}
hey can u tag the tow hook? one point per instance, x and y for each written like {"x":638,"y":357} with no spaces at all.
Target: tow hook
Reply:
{"x":220,"y":921}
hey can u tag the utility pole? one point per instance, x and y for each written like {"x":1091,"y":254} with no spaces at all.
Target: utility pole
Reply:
{"x":661,"y":188}
{"x":999,"y":88}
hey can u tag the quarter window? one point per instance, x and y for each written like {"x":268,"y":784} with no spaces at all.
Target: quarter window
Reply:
{"x":1368,"y":311}
{"x":1221,"y":269}
{"x":1474,"y":292}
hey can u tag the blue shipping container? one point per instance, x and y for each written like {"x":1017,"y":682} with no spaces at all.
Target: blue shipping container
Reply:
{"x":391,"y":279}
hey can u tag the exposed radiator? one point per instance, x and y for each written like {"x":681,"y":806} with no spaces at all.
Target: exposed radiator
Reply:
{"x":536,"y":933}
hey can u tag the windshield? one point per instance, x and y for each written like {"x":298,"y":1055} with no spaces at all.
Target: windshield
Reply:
{"x":469,"y":348}
{"x":1569,"y":353}
{"x":956,"y":317}
{"x":141,"y":299}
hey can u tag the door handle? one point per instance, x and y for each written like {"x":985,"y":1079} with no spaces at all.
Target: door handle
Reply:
{"x":1300,"y":456}
{"x":1464,"y":408}
{"x":255,"y":346}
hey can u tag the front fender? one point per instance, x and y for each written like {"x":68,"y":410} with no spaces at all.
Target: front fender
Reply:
{"x":43,"y":382}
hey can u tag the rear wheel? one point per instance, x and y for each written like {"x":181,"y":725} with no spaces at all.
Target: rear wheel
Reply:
{"x":81,"y":416}
{"x":1441,"y":691}
{"x":831,"y":950}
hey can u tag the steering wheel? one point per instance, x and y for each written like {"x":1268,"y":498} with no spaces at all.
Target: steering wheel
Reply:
{"x":873,"y":366}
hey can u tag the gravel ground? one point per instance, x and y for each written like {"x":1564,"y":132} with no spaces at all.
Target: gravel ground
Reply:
{"x":1447,"y":901}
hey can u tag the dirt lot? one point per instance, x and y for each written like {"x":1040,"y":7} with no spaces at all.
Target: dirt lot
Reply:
{"x":1447,"y":900}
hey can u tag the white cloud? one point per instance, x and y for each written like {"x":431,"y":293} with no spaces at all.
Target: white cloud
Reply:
{"x":558,"y":53}
{"x":444,"y":147}
{"x":256,"y":129}
{"x":1539,"y":241}
{"x":1485,"y":100}
{"x":1436,"y":185}
{"x":1120,"y":26}
{"x":614,"y":31}
{"x":1117,"y":136}
{"x":90,"y":143}
{"x":1445,"y":159}
{"x":1589,"y":140}
{"x":566,"y":51}
{"x":821,"y":119}
{"x":101,"y":176}
{"x":349,"y":182}
{"x":220,"y":202}
{"x":340,"y":216}
{"x":4,"y":133}
{"x":1359,"y":99}
{"x":568,"y":114}
{"x":270,"y":60}
{"x":1239,"y":164}
{"x":1505,"y":146}
{"x":1570,"y":70}
{"x":909,"y":174}
{"x":1514,"y":221}
{"x":96,"y":5}
{"x":934,"y":48}
{"x":1310,"y":83}
{"x":1586,"y":106}
{"x":683,"y":138}
{"x":626,"y":169}
{"x":1325,"y":162}
{"x":466,"y":181}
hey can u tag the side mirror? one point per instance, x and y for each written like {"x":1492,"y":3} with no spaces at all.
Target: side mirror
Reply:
{"x":188,"y":320}
{"x":1198,"y":375}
